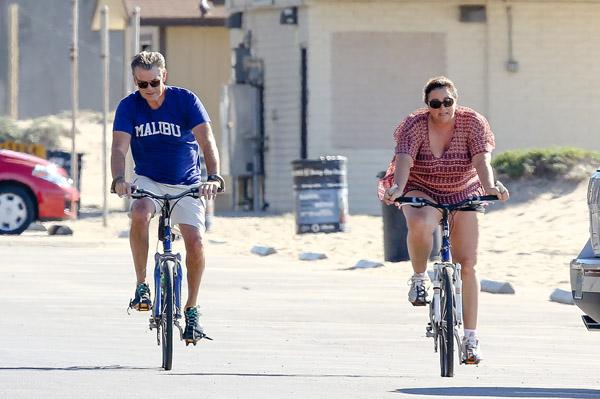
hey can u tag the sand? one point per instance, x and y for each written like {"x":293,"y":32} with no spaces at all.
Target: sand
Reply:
{"x":528,"y":241}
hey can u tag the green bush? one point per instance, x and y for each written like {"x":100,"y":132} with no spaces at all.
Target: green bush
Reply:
{"x":46,"y":131}
{"x":9,"y":131}
{"x":545,"y":162}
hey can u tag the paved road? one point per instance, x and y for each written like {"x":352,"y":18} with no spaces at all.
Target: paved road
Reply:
{"x":281,"y":329}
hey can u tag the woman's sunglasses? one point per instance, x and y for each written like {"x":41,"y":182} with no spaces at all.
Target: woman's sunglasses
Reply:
{"x":144,"y":85}
{"x":435,"y":103}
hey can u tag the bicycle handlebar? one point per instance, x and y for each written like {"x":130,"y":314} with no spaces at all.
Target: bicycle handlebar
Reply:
{"x":138,"y":193}
{"x":421,"y":202}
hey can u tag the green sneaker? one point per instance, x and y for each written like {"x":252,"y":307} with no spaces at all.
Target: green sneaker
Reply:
{"x":193,"y":331}
{"x":141,"y":300}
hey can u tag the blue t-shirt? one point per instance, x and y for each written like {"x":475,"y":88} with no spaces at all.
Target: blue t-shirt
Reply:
{"x":162,"y":143}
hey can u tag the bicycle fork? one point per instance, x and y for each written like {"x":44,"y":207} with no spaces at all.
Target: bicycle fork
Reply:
{"x":435,"y":312}
{"x":178,"y":279}
{"x":435,"y":315}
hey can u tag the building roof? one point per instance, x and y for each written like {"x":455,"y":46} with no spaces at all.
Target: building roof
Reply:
{"x":177,"y":12}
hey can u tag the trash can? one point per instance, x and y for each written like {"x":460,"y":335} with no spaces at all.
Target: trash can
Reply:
{"x":395,"y":248}
{"x":63,"y":159}
{"x":320,"y":194}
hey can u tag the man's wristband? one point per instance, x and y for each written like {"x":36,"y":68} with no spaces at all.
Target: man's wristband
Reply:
{"x":219,"y":179}
{"x":113,"y":185}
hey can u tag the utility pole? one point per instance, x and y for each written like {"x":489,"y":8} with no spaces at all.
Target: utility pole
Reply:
{"x":74,"y":98}
{"x":135,"y":44}
{"x":13,"y":68}
{"x":105,"y":56}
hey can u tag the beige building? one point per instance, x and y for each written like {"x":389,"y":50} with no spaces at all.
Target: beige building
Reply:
{"x":525,"y":64}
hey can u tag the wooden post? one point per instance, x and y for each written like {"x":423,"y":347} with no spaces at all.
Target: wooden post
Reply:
{"x":136,"y":30}
{"x":13,"y":68}
{"x":74,"y":97}
{"x":135,"y":45}
{"x":105,"y":56}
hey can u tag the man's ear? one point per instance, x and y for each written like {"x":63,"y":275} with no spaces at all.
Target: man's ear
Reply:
{"x":165,"y":76}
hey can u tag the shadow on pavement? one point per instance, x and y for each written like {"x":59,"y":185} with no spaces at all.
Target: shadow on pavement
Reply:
{"x":77,"y":368}
{"x":286,"y":375}
{"x":504,"y":392}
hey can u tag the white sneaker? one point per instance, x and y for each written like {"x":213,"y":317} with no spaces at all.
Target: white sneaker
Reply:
{"x":417,"y":295}
{"x":471,"y":352}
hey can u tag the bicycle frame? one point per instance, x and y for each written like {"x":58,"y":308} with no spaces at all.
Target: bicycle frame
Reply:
{"x":161,"y":258}
{"x":446,"y":261}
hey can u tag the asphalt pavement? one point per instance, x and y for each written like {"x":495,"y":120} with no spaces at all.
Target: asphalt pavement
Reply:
{"x":281,"y":328}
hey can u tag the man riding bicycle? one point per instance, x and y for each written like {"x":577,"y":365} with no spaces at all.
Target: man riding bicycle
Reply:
{"x":443,"y":154}
{"x":166,"y":128}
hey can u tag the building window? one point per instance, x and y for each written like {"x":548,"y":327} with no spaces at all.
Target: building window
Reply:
{"x":472,"y":13}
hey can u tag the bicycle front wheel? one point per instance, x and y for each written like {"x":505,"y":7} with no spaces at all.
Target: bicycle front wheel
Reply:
{"x":167,"y":314}
{"x":446,"y":328}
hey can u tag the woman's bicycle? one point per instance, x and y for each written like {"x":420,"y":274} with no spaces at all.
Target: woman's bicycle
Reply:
{"x":445,"y":308}
{"x":168,"y":275}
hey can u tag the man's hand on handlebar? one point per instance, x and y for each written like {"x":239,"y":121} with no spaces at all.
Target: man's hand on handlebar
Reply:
{"x":121,"y":187}
{"x":209,"y":189}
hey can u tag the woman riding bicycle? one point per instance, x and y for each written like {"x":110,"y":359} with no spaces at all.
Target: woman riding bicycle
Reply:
{"x":443,"y":153}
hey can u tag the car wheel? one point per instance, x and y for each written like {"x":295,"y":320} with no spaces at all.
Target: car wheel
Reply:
{"x":16,"y":209}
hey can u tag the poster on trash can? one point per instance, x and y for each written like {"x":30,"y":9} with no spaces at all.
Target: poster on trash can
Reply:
{"x":321,"y":210}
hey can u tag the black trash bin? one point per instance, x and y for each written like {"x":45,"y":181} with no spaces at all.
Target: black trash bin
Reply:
{"x":320,"y":194}
{"x":395,"y":231}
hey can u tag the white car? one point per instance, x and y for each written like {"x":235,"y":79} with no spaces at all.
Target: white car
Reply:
{"x":585,"y":269}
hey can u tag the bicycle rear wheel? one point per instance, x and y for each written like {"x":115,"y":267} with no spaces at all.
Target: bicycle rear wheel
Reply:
{"x":446,"y":328}
{"x":167,"y":314}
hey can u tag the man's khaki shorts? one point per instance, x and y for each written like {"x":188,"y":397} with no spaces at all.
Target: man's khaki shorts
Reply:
{"x":187,"y":210}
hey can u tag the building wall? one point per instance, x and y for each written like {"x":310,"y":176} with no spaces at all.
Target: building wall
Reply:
{"x":548,"y":101}
{"x":552,"y":100}
{"x":279,"y":47}
{"x":199,"y":59}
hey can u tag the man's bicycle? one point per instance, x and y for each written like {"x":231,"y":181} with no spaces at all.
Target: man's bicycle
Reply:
{"x":168,"y":276}
{"x":445,"y":308}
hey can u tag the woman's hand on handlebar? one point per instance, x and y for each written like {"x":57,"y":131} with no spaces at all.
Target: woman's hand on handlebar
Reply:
{"x":391,"y":194}
{"x":498,"y":190}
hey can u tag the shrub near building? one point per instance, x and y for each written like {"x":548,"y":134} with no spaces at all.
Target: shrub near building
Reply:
{"x":560,"y":162}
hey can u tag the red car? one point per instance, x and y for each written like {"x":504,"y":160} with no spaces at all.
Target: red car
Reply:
{"x":32,"y":188}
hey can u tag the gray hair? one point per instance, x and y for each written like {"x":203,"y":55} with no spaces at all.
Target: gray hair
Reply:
{"x":147,"y":60}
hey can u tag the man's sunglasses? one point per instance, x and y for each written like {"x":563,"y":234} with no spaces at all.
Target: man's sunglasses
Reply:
{"x":144,"y":85}
{"x":435,"y":103}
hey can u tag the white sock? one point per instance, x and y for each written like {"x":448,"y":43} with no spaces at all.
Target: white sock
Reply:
{"x":470,"y":333}
{"x":420,"y":275}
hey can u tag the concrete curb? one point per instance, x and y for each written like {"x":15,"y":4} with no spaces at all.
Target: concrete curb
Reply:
{"x":308,"y":256}
{"x":496,"y":287}
{"x":562,"y":296}
{"x":263,"y":251}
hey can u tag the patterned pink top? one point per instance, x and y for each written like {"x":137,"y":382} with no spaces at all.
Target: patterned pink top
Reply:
{"x":452,"y":177}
